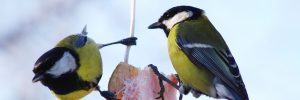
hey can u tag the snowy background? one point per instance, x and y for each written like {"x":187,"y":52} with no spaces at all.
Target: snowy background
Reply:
{"x":263,"y":36}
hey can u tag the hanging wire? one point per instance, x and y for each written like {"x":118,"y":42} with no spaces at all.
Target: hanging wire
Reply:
{"x":131,"y":31}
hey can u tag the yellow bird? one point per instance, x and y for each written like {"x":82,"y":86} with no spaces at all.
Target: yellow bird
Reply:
{"x":200,"y":55}
{"x":73,"y":68}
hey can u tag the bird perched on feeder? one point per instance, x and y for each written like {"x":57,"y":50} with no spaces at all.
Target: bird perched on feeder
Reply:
{"x":73,"y":68}
{"x":200,"y":55}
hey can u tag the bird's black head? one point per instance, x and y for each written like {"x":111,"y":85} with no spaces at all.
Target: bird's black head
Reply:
{"x":176,"y":15}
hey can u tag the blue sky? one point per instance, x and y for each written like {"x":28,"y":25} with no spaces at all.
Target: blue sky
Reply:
{"x":262,"y":35}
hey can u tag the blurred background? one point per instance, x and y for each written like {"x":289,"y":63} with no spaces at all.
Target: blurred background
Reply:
{"x":263,"y":36}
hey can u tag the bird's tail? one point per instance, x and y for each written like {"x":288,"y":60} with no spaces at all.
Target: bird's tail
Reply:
{"x":225,"y":92}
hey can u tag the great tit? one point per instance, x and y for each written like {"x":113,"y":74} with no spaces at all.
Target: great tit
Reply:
{"x":73,"y":68}
{"x":200,"y":55}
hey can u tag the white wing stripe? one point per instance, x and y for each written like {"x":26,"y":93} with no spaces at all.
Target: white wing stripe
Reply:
{"x":197,"y":45}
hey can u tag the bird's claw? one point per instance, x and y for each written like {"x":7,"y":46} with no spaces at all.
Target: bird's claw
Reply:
{"x":162,"y":88}
{"x":180,"y":97}
{"x":161,"y":96}
{"x":107,"y":94}
{"x":129,"y":41}
{"x":180,"y":83}
{"x":161,"y":93}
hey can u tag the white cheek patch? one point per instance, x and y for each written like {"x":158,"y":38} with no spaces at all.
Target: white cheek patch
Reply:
{"x":65,"y":64}
{"x":177,"y":18}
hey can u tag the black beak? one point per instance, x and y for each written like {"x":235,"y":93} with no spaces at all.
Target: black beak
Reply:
{"x":156,"y":25}
{"x":37,"y":78}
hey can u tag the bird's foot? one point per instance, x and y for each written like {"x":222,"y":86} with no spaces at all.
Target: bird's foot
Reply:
{"x":180,"y":96}
{"x":196,"y":93}
{"x":162,"y":77}
{"x":162,"y":88}
{"x":107,"y":94}
{"x":129,"y":41}
{"x":180,"y":84}
{"x":184,"y":89}
{"x":161,"y":94}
